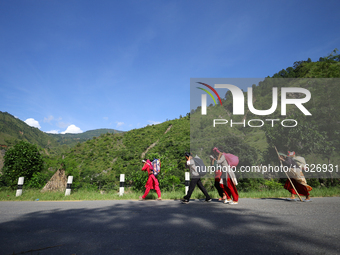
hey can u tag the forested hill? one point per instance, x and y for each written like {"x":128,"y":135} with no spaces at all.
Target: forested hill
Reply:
{"x":326,"y":67}
{"x":13,"y":130}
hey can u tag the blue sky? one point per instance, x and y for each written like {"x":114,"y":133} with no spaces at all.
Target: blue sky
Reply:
{"x":73,"y":66}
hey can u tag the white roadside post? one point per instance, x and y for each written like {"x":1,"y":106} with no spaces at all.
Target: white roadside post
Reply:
{"x":20,"y":184}
{"x":121,"y":184}
{"x":187,"y":180}
{"x":68,"y":187}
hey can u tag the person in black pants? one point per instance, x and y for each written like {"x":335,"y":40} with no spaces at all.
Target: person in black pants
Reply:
{"x":195,"y":180}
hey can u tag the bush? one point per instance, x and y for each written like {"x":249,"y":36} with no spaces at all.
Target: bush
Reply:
{"x":250,"y":184}
{"x":273,"y":184}
{"x":23,"y":160}
{"x":38,"y":180}
{"x":137,"y":179}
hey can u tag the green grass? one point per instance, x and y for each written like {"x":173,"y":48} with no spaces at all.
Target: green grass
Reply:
{"x":316,"y":192}
{"x":33,"y":194}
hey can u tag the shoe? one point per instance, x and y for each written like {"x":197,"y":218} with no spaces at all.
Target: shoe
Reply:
{"x":159,"y":199}
{"x":141,"y":199}
{"x":185,"y":201}
{"x":227,"y":201}
{"x":310,"y":200}
{"x":233,"y":203}
{"x":291,"y":199}
{"x":208,"y":200}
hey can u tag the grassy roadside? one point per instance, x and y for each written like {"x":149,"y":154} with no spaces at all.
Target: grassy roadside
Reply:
{"x":36,"y":195}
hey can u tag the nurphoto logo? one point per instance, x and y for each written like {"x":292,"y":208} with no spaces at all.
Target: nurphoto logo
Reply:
{"x":238,"y":104}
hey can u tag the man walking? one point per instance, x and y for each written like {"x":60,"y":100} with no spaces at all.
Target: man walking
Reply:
{"x":195,"y":180}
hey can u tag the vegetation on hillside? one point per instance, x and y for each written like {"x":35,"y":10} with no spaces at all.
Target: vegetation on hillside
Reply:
{"x":326,"y":67}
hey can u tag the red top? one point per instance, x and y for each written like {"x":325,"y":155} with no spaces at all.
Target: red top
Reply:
{"x":152,"y":181}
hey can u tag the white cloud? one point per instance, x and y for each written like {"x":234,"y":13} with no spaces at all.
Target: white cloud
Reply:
{"x":49,"y":119}
{"x":154,"y":122}
{"x":119,"y":124}
{"x":32,"y":122}
{"x":72,"y":129}
{"x":52,"y":132}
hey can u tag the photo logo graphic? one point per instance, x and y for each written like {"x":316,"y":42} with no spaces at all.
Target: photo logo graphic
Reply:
{"x":238,"y":104}
{"x":204,"y":97}
{"x":238,"y":99}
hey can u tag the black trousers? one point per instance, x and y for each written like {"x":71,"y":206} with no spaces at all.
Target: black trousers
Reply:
{"x":219,"y":189}
{"x":192,"y":185}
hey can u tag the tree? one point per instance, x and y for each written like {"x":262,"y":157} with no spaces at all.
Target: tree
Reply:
{"x":23,"y":160}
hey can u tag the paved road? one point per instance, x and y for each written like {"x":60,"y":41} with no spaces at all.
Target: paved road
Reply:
{"x":255,"y":226}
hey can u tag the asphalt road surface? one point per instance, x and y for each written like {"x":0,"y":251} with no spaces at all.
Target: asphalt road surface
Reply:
{"x":254,"y":226}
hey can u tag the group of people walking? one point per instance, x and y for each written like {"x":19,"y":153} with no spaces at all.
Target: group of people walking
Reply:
{"x":225,"y":181}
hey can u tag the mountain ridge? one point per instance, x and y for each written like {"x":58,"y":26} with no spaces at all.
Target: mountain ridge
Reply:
{"x":13,"y":130}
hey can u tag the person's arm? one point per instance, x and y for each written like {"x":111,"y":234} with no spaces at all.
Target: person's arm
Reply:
{"x":192,"y":166}
{"x":145,"y":167}
{"x":190,"y":162}
{"x":212,"y":160}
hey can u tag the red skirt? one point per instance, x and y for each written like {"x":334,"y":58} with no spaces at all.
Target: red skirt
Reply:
{"x":301,"y":189}
{"x":152,"y":182}
{"x":230,"y":190}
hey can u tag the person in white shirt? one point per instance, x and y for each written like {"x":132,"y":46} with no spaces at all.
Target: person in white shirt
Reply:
{"x":194,"y":180}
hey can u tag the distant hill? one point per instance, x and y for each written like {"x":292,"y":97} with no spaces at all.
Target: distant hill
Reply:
{"x":13,"y":130}
{"x":73,"y":139}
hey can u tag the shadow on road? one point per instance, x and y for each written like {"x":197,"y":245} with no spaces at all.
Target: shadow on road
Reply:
{"x":153,"y":227}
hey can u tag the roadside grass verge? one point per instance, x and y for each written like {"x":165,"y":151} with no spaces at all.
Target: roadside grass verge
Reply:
{"x":282,"y":193}
{"x":35,"y":195}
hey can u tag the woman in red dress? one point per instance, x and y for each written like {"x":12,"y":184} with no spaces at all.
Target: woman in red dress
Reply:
{"x":152,"y":182}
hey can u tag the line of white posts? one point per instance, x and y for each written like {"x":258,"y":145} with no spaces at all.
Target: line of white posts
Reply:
{"x":122,"y":181}
{"x":121,"y":184}
{"x":21,"y":184}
